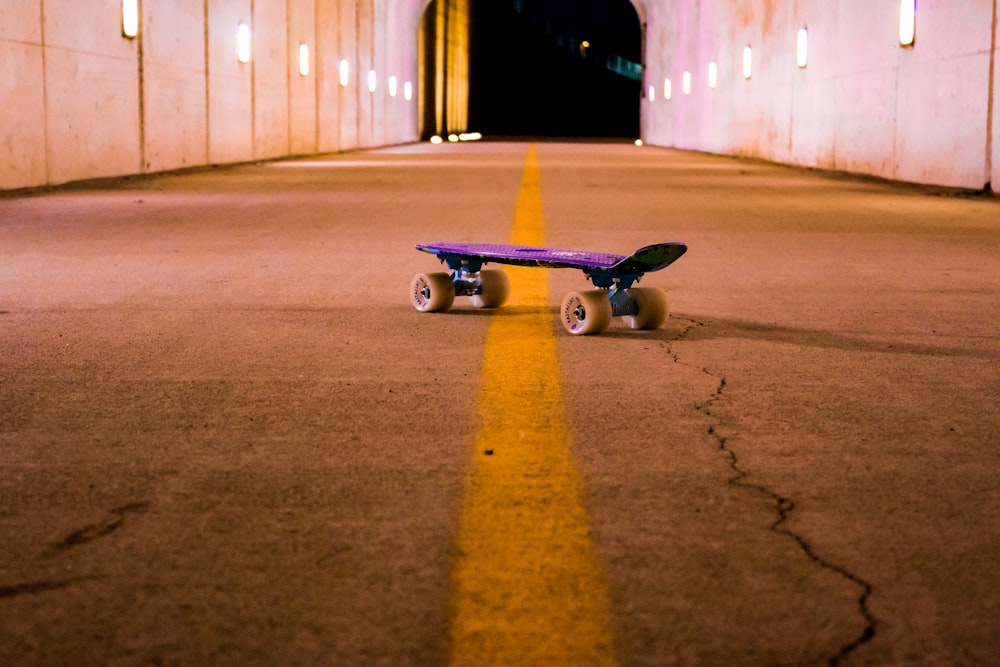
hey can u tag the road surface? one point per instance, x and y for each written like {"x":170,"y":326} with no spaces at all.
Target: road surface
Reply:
{"x":227,"y":438}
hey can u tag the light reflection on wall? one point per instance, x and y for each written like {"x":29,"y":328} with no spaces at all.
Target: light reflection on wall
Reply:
{"x":130,"y":18}
{"x":802,"y":48}
{"x":345,"y":73}
{"x":303,"y":59}
{"x":907,"y":22}
{"x":243,"y":43}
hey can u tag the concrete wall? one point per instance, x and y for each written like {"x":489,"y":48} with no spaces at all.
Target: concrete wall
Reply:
{"x":174,"y":104}
{"x":79,"y":100}
{"x":994,"y":139}
{"x":864,"y":103}
{"x":70,"y":97}
{"x":23,"y":159}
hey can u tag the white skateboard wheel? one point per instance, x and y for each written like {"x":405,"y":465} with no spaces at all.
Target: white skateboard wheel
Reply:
{"x":586,"y":312}
{"x":432,"y":292}
{"x":495,"y":290}
{"x":652,"y":308}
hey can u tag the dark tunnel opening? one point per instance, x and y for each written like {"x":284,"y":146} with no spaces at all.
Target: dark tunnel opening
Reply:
{"x":542,"y":68}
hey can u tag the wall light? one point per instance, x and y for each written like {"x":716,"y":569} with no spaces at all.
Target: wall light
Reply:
{"x":372,"y":81}
{"x":802,"y":48}
{"x":243,"y":43}
{"x":907,"y":22}
{"x":392,"y":86}
{"x":747,"y":62}
{"x":686,"y":83}
{"x":303,"y":59}
{"x":408,"y":91}
{"x":713,"y":74}
{"x":345,"y":73}
{"x":667,"y":89}
{"x":652,"y":93}
{"x":130,"y":18}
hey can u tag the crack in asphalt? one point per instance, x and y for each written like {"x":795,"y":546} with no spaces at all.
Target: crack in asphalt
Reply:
{"x":91,"y":532}
{"x":32,"y":588}
{"x":783,"y":506}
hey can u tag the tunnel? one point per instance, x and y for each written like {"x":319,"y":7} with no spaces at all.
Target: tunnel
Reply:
{"x":532,"y":68}
{"x":350,"y":332}
{"x":897,"y":91}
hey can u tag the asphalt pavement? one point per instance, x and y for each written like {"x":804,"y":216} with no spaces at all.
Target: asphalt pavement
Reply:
{"x":227,"y":438}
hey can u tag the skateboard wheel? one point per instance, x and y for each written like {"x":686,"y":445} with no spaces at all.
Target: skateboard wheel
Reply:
{"x":495,"y":287}
{"x":432,"y":292}
{"x":586,"y":312}
{"x":651,"y":308}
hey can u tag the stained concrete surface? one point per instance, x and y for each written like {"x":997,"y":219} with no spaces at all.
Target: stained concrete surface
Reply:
{"x":226,"y":438}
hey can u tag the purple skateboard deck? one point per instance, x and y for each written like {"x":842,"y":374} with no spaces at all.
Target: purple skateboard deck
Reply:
{"x":650,"y":258}
{"x":613,"y":277}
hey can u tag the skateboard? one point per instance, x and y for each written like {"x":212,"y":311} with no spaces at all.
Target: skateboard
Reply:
{"x":584,"y":312}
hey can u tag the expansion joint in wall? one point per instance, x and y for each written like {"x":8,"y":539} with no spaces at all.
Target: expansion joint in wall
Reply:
{"x":990,"y":103}
{"x":143,"y":165}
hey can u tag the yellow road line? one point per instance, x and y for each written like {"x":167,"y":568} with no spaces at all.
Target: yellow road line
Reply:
{"x":528,"y":587}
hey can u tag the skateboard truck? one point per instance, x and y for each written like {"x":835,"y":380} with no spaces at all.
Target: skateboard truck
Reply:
{"x":623,"y":304}
{"x":467,"y":274}
{"x":617,"y":287}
